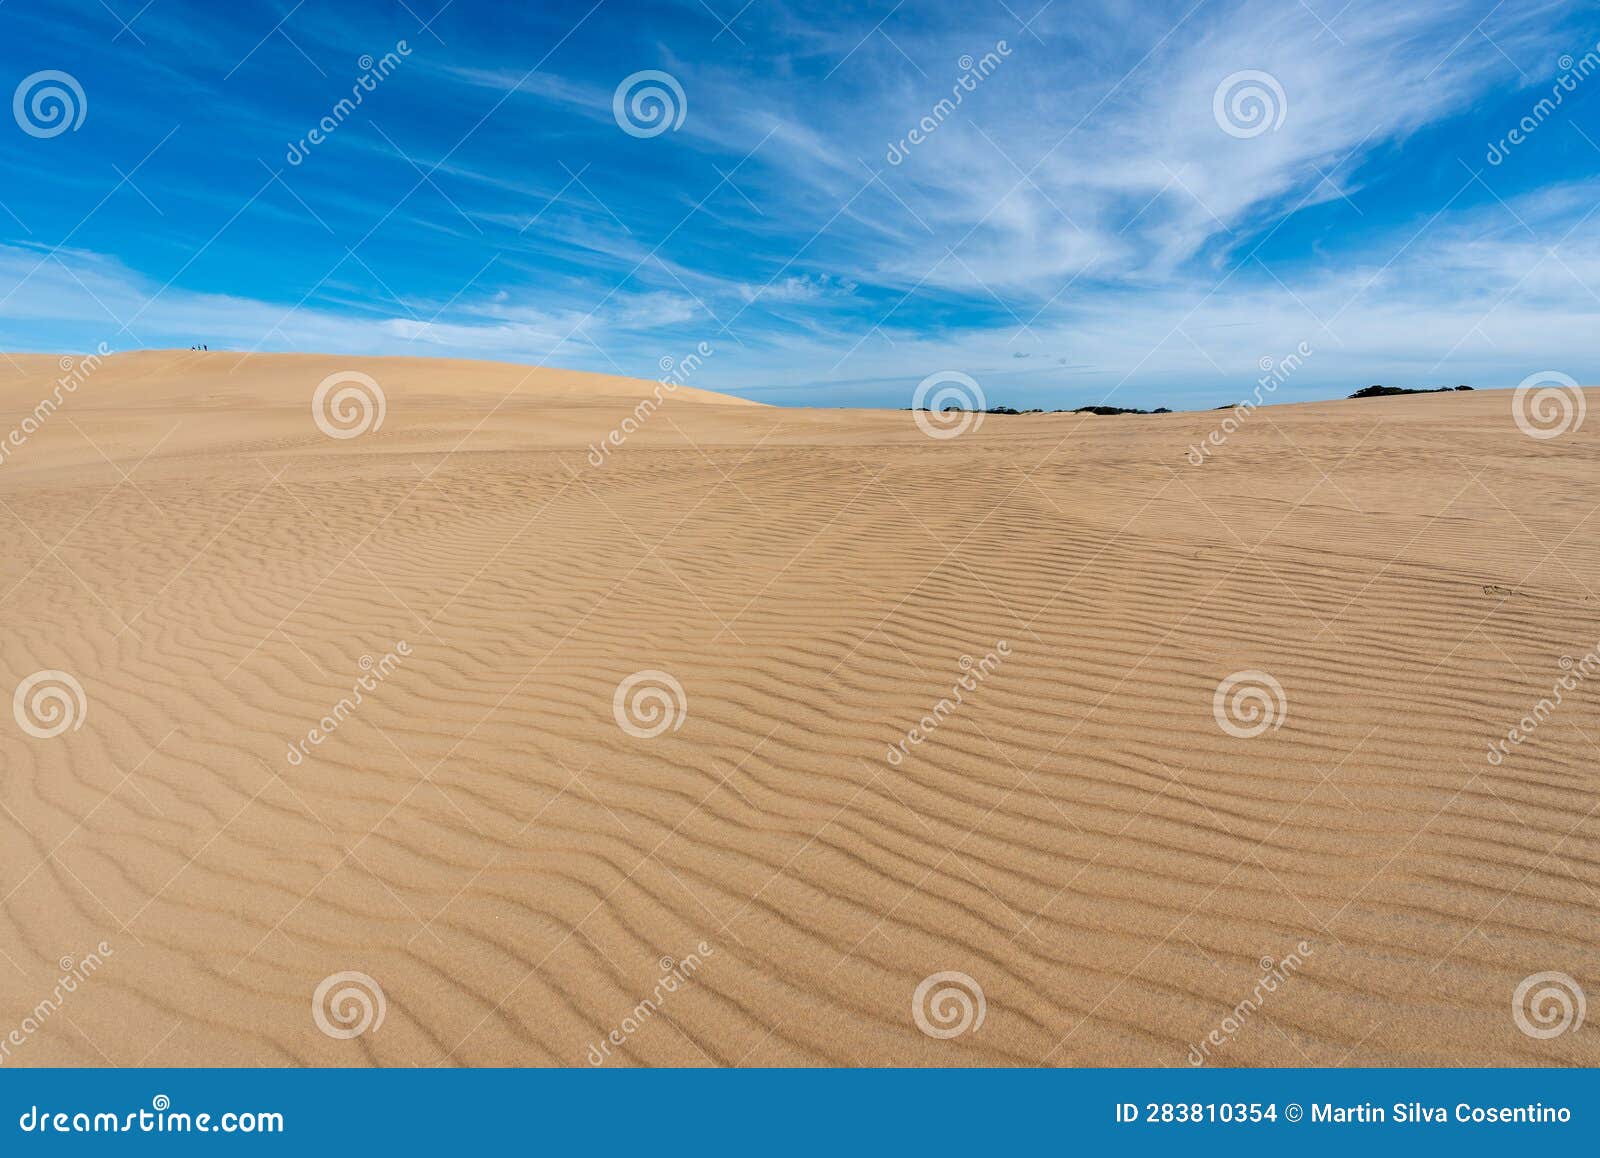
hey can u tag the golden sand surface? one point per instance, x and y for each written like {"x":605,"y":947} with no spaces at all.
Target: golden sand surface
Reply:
{"x":784,"y":736}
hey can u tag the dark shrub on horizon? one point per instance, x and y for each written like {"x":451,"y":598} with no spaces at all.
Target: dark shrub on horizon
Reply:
{"x":1376,"y":391}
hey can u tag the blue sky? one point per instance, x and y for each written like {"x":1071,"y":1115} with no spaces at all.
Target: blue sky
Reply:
{"x":1082,"y":227}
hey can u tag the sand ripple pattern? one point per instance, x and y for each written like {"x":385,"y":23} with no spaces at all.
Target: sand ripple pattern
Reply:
{"x":509,"y":868}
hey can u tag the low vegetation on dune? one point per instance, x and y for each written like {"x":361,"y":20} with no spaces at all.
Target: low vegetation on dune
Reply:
{"x":1374,"y":391}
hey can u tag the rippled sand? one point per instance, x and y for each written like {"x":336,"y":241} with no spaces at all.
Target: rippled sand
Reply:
{"x":1080,"y":837}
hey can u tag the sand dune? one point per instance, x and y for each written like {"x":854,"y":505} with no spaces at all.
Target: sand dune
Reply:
{"x":1079,"y":836}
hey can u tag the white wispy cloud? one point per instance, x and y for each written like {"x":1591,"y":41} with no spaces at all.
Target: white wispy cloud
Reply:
{"x":62,"y":296}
